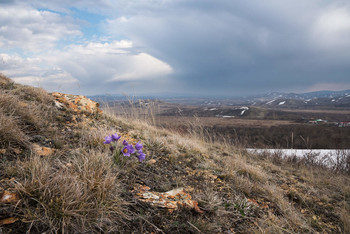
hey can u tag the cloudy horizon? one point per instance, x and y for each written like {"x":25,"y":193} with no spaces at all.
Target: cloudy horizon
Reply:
{"x":176,"y":47}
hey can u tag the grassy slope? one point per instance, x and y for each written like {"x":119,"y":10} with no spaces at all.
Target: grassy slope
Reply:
{"x":81,"y":189}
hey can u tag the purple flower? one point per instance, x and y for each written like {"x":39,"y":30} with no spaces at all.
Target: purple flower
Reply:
{"x":142,"y":157}
{"x":131,"y":148}
{"x":108,"y":140}
{"x":138,"y":146}
{"x":128,"y":150}
{"x":115,"y":137}
{"x":125,"y":142}
{"x":112,"y":148}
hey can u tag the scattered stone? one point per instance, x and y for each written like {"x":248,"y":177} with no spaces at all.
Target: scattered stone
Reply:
{"x":260,"y":204}
{"x":152,"y":161}
{"x":171,"y":200}
{"x":9,"y":197}
{"x":76,"y":103}
{"x":59,"y":105}
{"x":42,"y":150}
{"x":8,"y":221}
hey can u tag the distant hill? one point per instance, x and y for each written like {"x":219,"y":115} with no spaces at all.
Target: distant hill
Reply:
{"x":302,"y":96}
{"x":317,"y":100}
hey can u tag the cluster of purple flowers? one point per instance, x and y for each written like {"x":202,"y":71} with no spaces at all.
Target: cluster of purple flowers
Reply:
{"x":127,"y":149}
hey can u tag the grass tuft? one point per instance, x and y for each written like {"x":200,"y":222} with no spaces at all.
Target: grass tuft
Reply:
{"x":78,"y":194}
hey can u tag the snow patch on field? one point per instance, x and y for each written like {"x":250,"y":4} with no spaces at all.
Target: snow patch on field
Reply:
{"x":270,"y":102}
{"x":244,"y":109}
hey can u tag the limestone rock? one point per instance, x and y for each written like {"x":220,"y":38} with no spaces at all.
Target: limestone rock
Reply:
{"x":42,"y":150}
{"x":76,"y":103}
{"x":171,"y":200}
{"x":152,"y":161}
{"x":9,"y":197}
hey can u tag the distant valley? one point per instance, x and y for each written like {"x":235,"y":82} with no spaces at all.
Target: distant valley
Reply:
{"x":311,"y":120}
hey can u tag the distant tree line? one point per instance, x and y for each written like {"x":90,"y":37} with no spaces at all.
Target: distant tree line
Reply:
{"x":300,"y":136}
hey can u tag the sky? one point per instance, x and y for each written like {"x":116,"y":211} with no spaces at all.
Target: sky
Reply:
{"x":176,"y":47}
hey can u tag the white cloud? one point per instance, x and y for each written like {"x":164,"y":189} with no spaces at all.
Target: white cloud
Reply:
{"x":96,"y":48}
{"x":35,"y":35}
{"x":328,"y":86}
{"x":332,"y":28}
{"x":100,"y":6}
{"x":89,"y":65}
{"x":33,"y":30}
{"x":143,"y":66}
{"x":105,"y":62}
{"x":34,"y":71}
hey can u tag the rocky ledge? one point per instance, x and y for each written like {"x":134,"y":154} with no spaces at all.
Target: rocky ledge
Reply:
{"x":77,"y":103}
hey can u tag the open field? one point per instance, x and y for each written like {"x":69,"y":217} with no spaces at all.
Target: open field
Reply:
{"x":265,"y":133}
{"x":257,"y":127}
{"x":173,"y":121}
{"x":341,"y":112}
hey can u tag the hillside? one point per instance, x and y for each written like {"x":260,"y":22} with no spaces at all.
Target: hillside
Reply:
{"x":58,"y":176}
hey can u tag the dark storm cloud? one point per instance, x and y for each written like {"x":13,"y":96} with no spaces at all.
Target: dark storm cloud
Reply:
{"x":246,"y":46}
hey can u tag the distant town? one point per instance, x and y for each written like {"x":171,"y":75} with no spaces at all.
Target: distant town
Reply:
{"x":339,"y":124}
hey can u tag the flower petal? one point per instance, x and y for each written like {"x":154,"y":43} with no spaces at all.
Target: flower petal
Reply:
{"x":138,"y":146}
{"x":108,"y":140}
{"x":115,"y":137}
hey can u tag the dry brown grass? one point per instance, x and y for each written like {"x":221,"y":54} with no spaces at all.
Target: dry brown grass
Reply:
{"x":155,"y":135}
{"x":135,"y":109}
{"x":5,"y":82}
{"x":344,"y":214}
{"x":255,"y":183}
{"x":72,"y":191}
{"x":24,"y":111}
{"x":174,"y":121}
{"x":239,"y":166}
{"x":12,"y":106}
{"x":318,"y":197}
{"x":11,"y":134}
{"x":29,"y":93}
{"x":248,"y":176}
{"x":28,"y":113}
{"x":77,"y":194}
